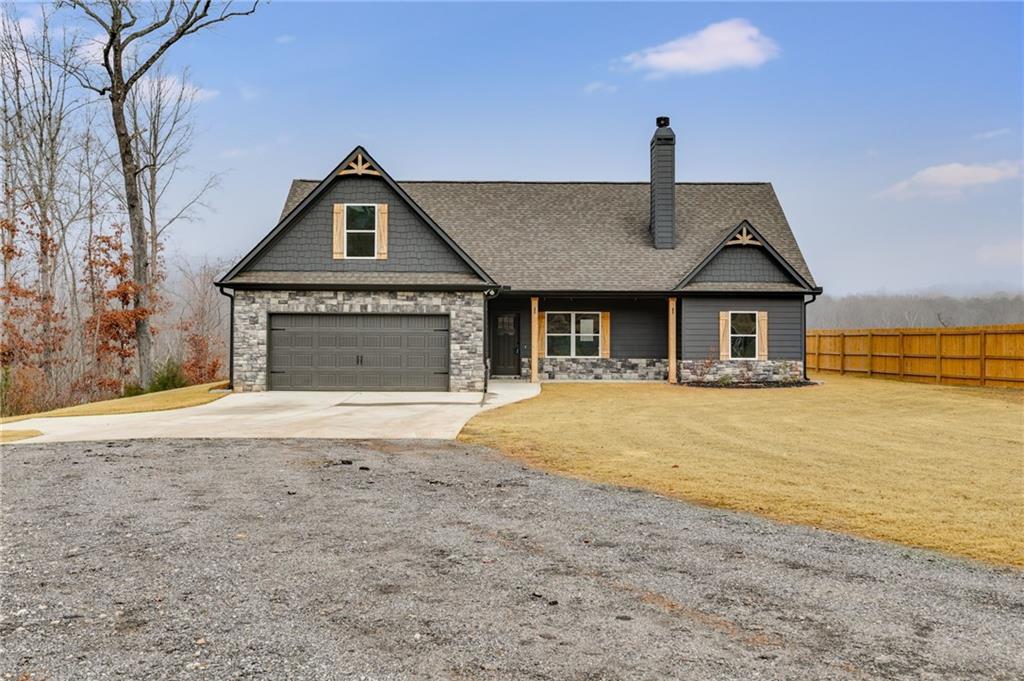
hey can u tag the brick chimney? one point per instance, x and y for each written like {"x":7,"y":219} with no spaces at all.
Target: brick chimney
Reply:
{"x":663,"y":185}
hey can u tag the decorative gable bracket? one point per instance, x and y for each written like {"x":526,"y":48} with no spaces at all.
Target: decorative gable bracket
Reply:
{"x":743,"y":238}
{"x":359,"y":166}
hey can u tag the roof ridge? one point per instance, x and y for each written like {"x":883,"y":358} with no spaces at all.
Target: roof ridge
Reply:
{"x":623,"y":182}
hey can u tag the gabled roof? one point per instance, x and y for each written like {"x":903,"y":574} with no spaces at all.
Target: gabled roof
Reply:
{"x":358,"y":161}
{"x":593,"y":236}
{"x":748,"y":232}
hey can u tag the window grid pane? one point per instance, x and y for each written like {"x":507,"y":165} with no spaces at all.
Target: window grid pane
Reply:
{"x":559,"y":323}
{"x":743,"y":323}
{"x":359,"y":244}
{"x":744,"y":347}
{"x":559,"y":346}
{"x":361,"y":218}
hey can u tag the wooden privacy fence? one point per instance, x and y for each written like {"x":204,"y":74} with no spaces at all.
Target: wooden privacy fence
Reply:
{"x":963,"y":355}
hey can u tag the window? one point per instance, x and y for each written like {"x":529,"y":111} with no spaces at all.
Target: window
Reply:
{"x":573,"y":334}
{"x":742,"y":335}
{"x":360,"y":230}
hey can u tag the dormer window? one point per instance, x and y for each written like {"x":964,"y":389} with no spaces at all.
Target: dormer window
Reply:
{"x":360,"y":230}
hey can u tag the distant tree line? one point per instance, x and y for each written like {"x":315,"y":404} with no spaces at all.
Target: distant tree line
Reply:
{"x":881,"y":310}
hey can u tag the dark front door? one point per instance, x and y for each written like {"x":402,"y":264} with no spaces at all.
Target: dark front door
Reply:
{"x":505,"y":361}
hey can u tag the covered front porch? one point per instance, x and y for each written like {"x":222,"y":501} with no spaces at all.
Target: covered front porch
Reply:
{"x":582,"y":337}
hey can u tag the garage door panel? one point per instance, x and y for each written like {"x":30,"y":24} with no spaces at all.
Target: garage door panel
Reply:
{"x":358,"y":352}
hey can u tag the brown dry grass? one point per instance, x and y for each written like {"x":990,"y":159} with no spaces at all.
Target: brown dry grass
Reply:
{"x":192,"y":396}
{"x":931,"y":466}
{"x":15,"y":435}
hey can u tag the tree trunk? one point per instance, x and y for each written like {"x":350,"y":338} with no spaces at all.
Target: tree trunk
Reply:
{"x":137,"y":228}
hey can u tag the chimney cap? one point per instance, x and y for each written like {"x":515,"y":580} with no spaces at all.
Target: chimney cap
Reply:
{"x":662,"y":121}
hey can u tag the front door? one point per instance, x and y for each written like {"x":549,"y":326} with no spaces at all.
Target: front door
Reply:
{"x":505,"y":360}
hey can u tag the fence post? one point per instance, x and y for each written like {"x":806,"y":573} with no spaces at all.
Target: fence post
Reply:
{"x":938,"y":357}
{"x":817,"y":352}
{"x":842,"y":352}
{"x":870,"y":351}
{"x":982,"y":356}
{"x":900,"y":340}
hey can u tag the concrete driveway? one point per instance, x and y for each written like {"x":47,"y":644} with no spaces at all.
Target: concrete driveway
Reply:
{"x":359,"y":415}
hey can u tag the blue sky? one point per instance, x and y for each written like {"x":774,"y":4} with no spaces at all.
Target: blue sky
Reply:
{"x":892,"y":132}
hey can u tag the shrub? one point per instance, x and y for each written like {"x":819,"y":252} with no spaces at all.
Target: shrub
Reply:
{"x":201,"y":363}
{"x":167,"y":377}
{"x":132,"y":389}
{"x":21,"y":390}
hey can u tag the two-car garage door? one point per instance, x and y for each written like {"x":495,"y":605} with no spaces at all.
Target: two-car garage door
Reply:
{"x":358,"y":352}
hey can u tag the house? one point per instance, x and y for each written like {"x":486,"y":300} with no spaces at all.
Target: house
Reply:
{"x":373,"y":284}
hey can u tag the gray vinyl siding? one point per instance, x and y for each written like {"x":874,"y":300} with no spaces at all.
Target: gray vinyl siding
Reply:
{"x":639,"y":327}
{"x":699,"y":319}
{"x":306,"y":246}
{"x":743,"y":263}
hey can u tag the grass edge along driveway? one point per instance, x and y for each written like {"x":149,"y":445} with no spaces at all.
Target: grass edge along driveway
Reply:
{"x":935,"y":467}
{"x":178,"y":398}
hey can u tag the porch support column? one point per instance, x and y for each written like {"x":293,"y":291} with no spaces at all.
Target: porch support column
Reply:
{"x":672,"y":373}
{"x":535,"y":340}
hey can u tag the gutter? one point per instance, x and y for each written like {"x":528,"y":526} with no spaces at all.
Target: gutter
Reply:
{"x":251,"y":286}
{"x":231,"y":337}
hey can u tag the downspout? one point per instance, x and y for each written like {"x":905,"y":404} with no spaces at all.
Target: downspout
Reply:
{"x":231,"y":339}
{"x":803,"y":333}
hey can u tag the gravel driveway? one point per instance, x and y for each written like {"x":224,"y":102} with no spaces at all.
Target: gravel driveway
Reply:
{"x":319,"y":559}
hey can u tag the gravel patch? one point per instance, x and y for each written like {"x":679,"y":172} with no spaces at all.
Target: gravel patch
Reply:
{"x":314,"y":559}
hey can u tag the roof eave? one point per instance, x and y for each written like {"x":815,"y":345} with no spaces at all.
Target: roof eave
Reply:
{"x":324,"y":286}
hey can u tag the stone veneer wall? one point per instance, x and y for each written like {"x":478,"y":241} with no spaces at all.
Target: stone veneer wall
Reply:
{"x":740,"y":371}
{"x":466,"y":311}
{"x":598,"y":368}
{"x":690,"y":371}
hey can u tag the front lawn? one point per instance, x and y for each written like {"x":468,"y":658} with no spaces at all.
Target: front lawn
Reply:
{"x":191,"y":396}
{"x":930,"y":466}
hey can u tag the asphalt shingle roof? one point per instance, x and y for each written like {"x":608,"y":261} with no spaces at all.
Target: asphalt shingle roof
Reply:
{"x":572,"y":236}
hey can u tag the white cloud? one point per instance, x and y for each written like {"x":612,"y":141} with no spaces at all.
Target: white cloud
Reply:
{"x":284,"y":39}
{"x":28,"y":26}
{"x":735,"y":43}
{"x":249,"y":93}
{"x":1009,"y":252}
{"x":599,"y":87}
{"x":951,"y":179}
{"x":171,"y":86}
{"x":989,"y":134}
{"x":90,"y":50}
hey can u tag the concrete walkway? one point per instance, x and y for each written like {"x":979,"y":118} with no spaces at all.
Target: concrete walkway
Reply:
{"x":358,"y":415}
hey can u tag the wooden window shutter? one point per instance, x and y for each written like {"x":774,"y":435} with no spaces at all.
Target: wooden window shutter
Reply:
{"x":606,"y":334}
{"x":723,"y":334}
{"x":762,"y":335}
{"x":339,"y":231}
{"x":382,"y":231}
{"x":542,"y":334}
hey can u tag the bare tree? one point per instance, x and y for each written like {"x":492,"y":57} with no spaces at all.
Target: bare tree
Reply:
{"x":40,"y":103}
{"x":136,"y":37}
{"x":160,"y":118}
